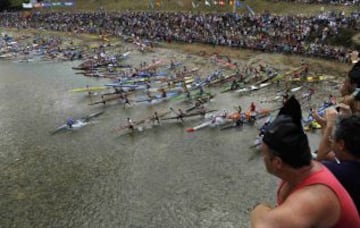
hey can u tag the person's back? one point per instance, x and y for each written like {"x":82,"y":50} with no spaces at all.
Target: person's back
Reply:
{"x":348,"y":216}
{"x":348,"y":175}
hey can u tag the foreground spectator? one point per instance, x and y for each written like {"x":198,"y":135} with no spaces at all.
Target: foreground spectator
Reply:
{"x":309,"y":195}
{"x":340,"y":146}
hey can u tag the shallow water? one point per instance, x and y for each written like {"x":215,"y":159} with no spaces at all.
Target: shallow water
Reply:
{"x":93,"y":177}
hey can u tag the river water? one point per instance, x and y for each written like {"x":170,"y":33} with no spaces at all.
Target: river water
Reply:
{"x":93,"y":177}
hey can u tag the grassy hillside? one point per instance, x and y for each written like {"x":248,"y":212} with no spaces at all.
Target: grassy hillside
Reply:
{"x":186,"y":5}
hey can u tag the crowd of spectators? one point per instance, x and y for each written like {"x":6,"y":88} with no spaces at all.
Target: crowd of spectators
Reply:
{"x":332,"y":2}
{"x":300,"y":35}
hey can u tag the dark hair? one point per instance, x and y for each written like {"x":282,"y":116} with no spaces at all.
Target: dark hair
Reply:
{"x":348,"y":130}
{"x":354,"y":75}
{"x":288,"y":141}
{"x":286,"y":138}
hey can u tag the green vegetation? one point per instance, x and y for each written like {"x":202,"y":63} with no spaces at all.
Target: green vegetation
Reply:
{"x":186,"y":5}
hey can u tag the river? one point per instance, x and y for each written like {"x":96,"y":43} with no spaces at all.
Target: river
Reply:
{"x":93,"y":177}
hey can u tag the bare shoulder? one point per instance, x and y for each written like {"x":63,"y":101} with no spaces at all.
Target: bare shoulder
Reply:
{"x":312,"y":206}
{"x":318,"y":202}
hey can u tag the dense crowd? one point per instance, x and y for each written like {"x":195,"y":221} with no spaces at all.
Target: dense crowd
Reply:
{"x":332,"y":2}
{"x":308,"y":36}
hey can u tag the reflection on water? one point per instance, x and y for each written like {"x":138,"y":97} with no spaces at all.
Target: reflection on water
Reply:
{"x":93,"y":177}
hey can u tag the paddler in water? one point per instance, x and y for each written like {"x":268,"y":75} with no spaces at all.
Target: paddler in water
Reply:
{"x":239,"y":109}
{"x":188,"y":95}
{"x":156,"y":118}
{"x":180,"y":115}
{"x":148,"y":94}
{"x":172,"y":64}
{"x":285,"y":96}
{"x":234,"y":85}
{"x":89,"y":91}
{"x":201,"y":90}
{"x":126,"y":100}
{"x":202,"y":110}
{"x":130,"y":124}
{"x":252,"y":111}
{"x":163,"y":93}
{"x":69,"y":122}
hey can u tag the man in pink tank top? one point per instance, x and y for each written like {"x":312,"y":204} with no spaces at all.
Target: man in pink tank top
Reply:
{"x":309,"y":195}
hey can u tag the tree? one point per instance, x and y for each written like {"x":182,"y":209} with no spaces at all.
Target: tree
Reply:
{"x":4,"y":4}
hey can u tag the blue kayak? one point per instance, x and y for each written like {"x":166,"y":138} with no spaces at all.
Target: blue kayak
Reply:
{"x":158,"y":97}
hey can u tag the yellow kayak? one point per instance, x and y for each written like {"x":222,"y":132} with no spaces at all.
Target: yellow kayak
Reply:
{"x":312,"y":126}
{"x":89,"y":89}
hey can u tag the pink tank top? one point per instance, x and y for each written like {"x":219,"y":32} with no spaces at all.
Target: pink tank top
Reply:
{"x":349,"y":216}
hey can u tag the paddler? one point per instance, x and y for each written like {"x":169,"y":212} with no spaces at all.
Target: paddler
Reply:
{"x":263,"y":128}
{"x":163,"y":93}
{"x":239,"y":109}
{"x":285,"y":96}
{"x":202,"y":110}
{"x":130,"y":124}
{"x":234,"y":85}
{"x":89,"y":91}
{"x":188,"y":94}
{"x":252,"y":111}
{"x":156,"y":118}
{"x":148,"y":94}
{"x":310,"y":94}
{"x":172,"y":64}
{"x":69,"y":122}
{"x":198,"y":102}
{"x":180,"y":115}
{"x":201,"y":90}
{"x":184,"y":70}
{"x":126,"y":100}
{"x":224,"y":114}
{"x":103,"y":99}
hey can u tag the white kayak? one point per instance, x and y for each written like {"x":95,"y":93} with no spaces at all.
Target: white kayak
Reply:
{"x":213,"y":122}
{"x":79,"y":123}
{"x":253,"y":88}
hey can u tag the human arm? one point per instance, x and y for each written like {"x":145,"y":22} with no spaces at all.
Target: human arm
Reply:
{"x":312,"y":206}
{"x":325,"y":152}
{"x":318,"y":118}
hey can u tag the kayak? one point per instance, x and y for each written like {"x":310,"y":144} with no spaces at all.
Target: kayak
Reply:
{"x":311,"y":78}
{"x":105,"y":100}
{"x":89,"y":89}
{"x":202,"y":100}
{"x":194,"y":95}
{"x":222,"y":79}
{"x":171,"y":67}
{"x":213,"y":122}
{"x":189,"y":115}
{"x":157,"y":97}
{"x":142,"y":121}
{"x":79,"y":123}
{"x":229,"y":88}
{"x":253,"y":88}
{"x":312,"y":126}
